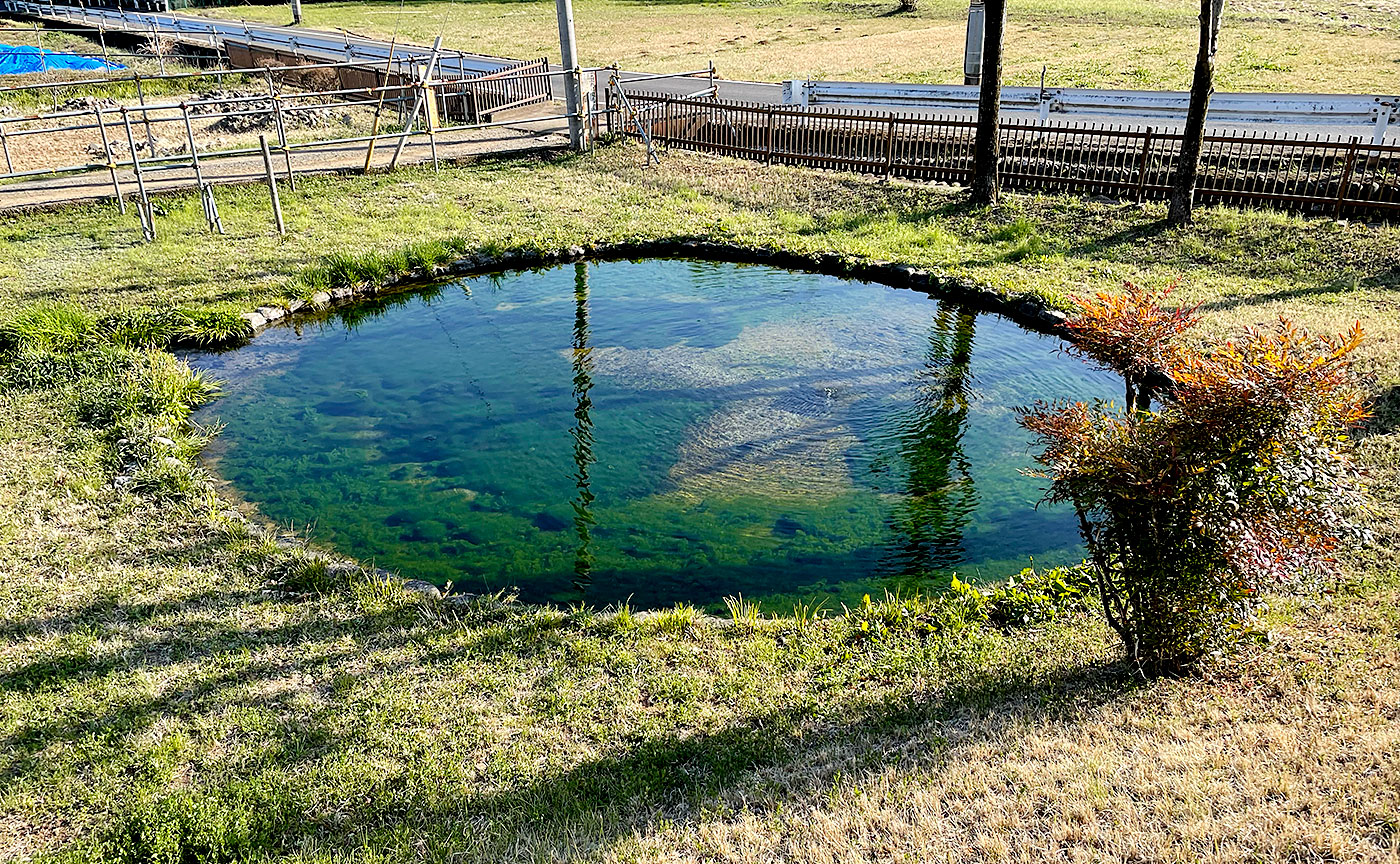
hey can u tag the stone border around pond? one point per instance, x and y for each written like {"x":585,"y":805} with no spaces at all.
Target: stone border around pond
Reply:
{"x":1027,"y":310}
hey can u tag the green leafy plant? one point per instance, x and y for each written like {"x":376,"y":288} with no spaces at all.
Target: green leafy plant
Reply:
{"x":1241,"y":481}
{"x":918,"y":614}
{"x":1034,"y":597}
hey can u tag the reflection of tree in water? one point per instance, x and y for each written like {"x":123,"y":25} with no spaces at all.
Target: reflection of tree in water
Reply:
{"x":929,"y":525}
{"x":582,"y":432}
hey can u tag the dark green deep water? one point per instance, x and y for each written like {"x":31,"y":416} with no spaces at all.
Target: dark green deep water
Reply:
{"x":663,"y":430}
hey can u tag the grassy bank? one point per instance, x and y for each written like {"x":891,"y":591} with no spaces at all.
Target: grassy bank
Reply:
{"x":1320,"y":46}
{"x":179,"y":684}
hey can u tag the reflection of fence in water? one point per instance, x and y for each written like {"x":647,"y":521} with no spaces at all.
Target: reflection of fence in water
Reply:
{"x":1310,"y":173}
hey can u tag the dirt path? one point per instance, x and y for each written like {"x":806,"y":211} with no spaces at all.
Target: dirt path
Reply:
{"x":333,"y":158}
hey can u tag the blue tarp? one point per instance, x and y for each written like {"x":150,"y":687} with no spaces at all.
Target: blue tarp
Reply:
{"x":23,"y":59}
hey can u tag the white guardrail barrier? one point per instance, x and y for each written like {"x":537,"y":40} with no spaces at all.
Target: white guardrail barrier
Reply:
{"x":310,"y":44}
{"x":1312,"y":109}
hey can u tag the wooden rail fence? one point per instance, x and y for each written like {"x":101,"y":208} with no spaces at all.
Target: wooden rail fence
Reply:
{"x":1314,"y":174}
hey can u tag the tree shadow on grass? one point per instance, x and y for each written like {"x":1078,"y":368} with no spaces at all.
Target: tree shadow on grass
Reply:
{"x":644,"y":776}
{"x":1385,"y":413}
{"x":662,"y":781}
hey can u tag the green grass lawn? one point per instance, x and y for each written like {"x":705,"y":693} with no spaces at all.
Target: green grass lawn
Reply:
{"x":1317,"y":46}
{"x":178,"y":683}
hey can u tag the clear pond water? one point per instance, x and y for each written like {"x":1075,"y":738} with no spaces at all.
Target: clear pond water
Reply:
{"x":662,"y":431}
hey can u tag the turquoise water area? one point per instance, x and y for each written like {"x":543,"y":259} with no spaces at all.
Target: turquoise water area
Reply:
{"x":662,"y":431}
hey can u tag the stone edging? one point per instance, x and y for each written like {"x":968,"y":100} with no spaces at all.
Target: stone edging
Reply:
{"x":1027,"y":310}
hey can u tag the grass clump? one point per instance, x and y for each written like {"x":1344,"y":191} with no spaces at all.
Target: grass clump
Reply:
{"x":49,"y":327}
{"x":679,"y":620}
{"x":175,"y":328}
{"x":745,"y":613}
{"x":355,"y":269}
{"x":133,"y":399}
{"x":67,"y":327}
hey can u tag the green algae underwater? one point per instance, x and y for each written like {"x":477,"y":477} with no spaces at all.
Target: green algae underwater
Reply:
{"x":654,"y":432}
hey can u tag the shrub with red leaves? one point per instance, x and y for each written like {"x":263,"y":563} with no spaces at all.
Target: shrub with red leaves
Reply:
{"x":1241,"y":481}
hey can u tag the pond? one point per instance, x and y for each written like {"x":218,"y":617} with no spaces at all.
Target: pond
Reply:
{"x":663,"y":431}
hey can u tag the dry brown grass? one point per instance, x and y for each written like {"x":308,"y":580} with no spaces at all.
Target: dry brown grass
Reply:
{"x":1315,"y":46}
{"x":1294,"y":757}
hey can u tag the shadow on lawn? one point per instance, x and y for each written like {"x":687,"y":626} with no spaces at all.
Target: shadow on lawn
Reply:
{"x":525,"y":804}
{"x":668,"y":779}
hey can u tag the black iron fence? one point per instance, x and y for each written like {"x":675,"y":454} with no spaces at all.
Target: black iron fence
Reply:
{"x":1315,"y":174}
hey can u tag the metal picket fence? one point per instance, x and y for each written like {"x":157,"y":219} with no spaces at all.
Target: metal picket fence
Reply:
{"x":1316,"y":174}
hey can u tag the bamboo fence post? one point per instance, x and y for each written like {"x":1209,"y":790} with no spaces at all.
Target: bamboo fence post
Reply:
{"x":206,"y":191}
{"x":44,"y":61}
{"x":39,"y":43}
{"x":431,"y":115}
{"x":155,"y":43}
{"x":272,"y":186}
{"x":107,"y":157}
{"x":379,"y":108}
{"x":143,"y":204}
{"x":145,"y":115}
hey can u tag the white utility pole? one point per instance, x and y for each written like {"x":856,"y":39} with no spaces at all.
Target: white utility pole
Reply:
{"x":972,"y":50}
{"x":568,"y":50}
{"x":296,"y":12}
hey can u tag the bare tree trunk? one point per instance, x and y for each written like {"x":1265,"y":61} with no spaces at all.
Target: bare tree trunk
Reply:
{"x":986,"y":185}
{"x":1202,"y":85}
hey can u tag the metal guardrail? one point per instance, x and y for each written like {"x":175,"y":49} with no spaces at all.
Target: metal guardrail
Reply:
{"x":214,"y":33}
{"x":1133,"y":106}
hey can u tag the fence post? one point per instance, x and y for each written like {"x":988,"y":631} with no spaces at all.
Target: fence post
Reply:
{"x":768,"y":157}
{"x":39,"y":43}
{"x":155,"y":43}
{"x":431,"y":116}
{"x":282,"y":140}
{"x":1142,"y":165}
{"x":206,"y":191}
{"x":145,"y":116}
{"x":889,"y":147}
{"x":272,"y":186}
{"x":1346,"y":177}
{"x":107,"y":156}
{"x":5,"y":145}
{"x":143,"y":202}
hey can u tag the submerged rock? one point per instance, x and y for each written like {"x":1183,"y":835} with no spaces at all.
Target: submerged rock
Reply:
{"x":757,"y":447}
{"x":786,"y":526}
{"x":548,"y":522}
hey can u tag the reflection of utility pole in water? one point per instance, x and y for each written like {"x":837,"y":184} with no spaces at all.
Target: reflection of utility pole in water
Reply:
{"x":582,"y":432}
{"x":929,"y":525}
